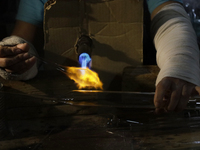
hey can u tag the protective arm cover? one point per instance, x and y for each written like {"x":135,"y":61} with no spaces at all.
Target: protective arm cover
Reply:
{"x":176,"y":44}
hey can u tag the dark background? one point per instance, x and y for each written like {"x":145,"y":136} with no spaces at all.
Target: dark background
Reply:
{"x":8,"y":10}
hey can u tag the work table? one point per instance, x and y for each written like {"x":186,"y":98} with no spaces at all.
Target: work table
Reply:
{"x":36,"y":120}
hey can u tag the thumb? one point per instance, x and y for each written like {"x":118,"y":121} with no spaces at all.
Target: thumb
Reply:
{"x":197,"y":88}
{"x":24,"y":47}
{"x":196,"y":91}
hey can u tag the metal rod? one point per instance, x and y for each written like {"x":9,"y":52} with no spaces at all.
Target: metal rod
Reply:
{"x":114,"y":92}
{"x":53,"y":64}
{"x":193,"y":103}
{"x":125,"y":92}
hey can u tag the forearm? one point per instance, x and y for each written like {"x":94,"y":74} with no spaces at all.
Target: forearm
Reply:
{"x":176,"y":44}
{"x":25,"y":30}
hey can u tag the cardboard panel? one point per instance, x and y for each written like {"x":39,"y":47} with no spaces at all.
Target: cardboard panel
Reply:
{"x":115,"y":26}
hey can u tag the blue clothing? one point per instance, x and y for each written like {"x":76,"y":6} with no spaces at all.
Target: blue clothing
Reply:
{"x":152,"y":4}
{"x":32,"y":11}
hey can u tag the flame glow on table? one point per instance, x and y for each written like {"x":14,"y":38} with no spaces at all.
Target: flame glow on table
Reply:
{"x":84,"y":77}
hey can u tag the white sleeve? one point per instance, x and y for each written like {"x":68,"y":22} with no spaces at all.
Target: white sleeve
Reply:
{"x":176,"y":44}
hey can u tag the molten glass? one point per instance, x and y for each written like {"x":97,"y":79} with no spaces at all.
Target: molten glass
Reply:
{"x":84,"y":77}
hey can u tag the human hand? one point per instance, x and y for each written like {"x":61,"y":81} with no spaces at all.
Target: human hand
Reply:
{"x":15,"y":59}
{"x":172,"y":94}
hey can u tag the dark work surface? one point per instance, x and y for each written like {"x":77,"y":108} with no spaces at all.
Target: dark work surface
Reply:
{"x":37,"y":119}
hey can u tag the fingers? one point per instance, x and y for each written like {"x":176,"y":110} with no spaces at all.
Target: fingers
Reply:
{"x":185,"y":95}
{"x":15,"y":59}
{"x":13,"y":50}
{"x":172,"y":94}
{"x":10,"y":61}
{"x":175,"y":97}
{"x":162,"y":94}
{"x":24,"y":47}
{"x":181,"y":93}
{"x":22,"y":66}
{"x":196,"y":91}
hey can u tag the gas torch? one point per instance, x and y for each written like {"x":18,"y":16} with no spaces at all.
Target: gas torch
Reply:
{"x":84,"y":50}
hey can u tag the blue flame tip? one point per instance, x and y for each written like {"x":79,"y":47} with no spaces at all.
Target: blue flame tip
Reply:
{"x":84,"y":60}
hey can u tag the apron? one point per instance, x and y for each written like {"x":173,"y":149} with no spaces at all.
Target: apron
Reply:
{"x":115,"y":27}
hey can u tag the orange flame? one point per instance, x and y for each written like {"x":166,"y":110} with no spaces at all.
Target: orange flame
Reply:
{"x":84,"y":77}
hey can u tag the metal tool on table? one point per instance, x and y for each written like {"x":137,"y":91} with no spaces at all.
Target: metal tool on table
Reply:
{"x":121,"y":99}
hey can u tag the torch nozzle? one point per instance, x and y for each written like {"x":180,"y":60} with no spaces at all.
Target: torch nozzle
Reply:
{"x":84,"y":50}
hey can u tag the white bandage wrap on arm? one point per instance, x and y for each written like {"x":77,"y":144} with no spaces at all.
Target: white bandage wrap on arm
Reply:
{"x":32,"y":72}
{"x":176,"y":45}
